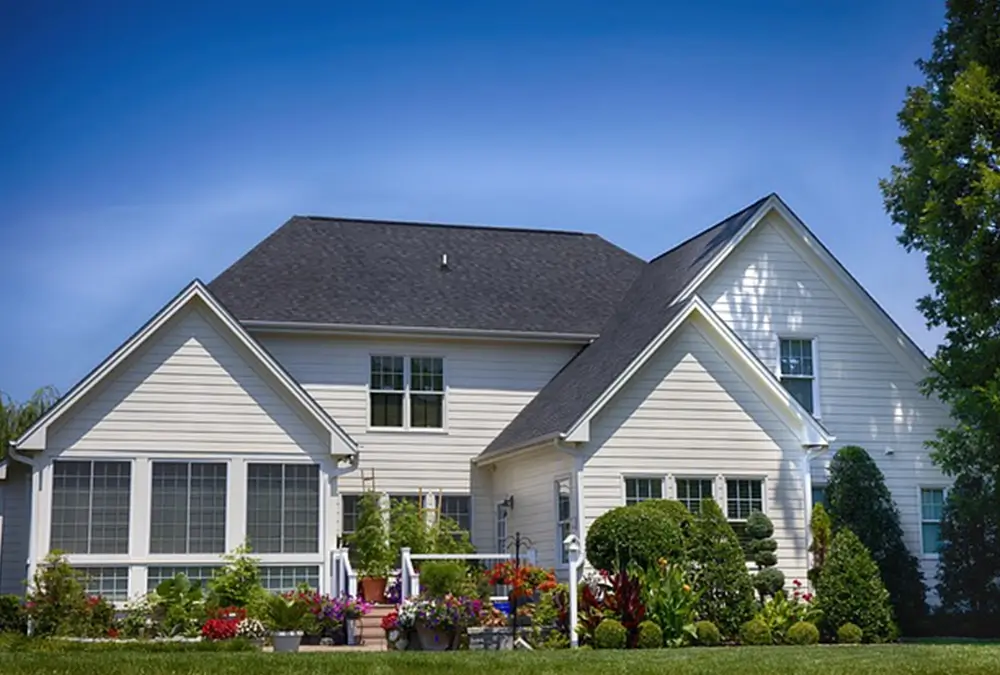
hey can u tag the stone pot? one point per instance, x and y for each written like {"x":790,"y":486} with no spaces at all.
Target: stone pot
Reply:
{"x":286,"y":641}
{"x":433,"y":639}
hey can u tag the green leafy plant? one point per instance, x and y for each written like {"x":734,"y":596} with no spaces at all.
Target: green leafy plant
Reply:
{"x":849,"y":634}
{"x":370,"y":541}
{"x":13,"y":614}
{"x":670,"y":602}
{"x":57,"y":603}
{"x":755,"y":633}
{"x":726,"y":592}
{"x":639,"y":534}
{"x":238,"y":583}
{"x":610,"y":634}
{"x":822,"y":534}
{"x":803,"y":633}
{"x":439,"y":578}
{"x":769,"y":579}
{"x":649,"y":637}
{"x":850,"y":590}
{"x":707,"y":634}
{"x":178,"y":606}
{"x":781,"y":612}
{"x":287,"y":613}
{"x":137,"y":618}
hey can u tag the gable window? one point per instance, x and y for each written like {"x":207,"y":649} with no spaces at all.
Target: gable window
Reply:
{"x":690,"y":492}
{"x":743,"y":497}
{"x":797,"y":371}
{"x":188,"y":508}
{"x":931,"y":511}
{"x":564,"y":518}
{"x":90,"y":506}
{"x":407,"y":392}
{"x":283,"y":508}
{"x":642,"y":489}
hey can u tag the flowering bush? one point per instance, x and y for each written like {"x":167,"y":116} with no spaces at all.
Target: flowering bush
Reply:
{"x":524,"y":580}
{"x":251,"y":629}
{"x":223,"y":623}
{"x":390,"y":621}
{"x":780,"y":612}
{"x":330,"y":612}
{"x":670,"y":602}
{"x":137,"y":621}
{"x":448,"y":613}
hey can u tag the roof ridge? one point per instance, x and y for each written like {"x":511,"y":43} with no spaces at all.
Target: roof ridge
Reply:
{"x":466,"y":226}
{"x":755,"y":205}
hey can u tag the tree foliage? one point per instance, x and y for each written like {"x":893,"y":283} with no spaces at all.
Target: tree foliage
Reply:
{"x":639,"y":534}
{"x":945,"y":196}
{"x":860,"y":501}
{"x":16,"y":418}
{"x":822,"y":534}
{"x":769,"y":579}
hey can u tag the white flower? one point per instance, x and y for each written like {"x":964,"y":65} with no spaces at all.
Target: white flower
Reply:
{"x":251,"y":629}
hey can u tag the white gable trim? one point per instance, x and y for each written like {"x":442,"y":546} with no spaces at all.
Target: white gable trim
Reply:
{"x":808,"y":429}
{"x":833,"y":273}
{"x":341,"y":444}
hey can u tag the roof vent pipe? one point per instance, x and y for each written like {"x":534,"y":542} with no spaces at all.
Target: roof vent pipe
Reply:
{"x":444,"y":261}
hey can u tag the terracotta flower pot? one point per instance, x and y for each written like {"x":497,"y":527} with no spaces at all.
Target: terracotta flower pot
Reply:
{"x":373,"y":589}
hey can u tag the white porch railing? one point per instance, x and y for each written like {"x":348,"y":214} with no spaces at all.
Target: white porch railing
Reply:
{"x":410,"y":578}
{"x":344,"y":580}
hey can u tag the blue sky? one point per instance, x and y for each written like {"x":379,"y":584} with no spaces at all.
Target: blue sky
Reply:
{"x":143,"y":146}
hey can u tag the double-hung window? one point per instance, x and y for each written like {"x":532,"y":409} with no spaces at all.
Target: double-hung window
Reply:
{"x":564,"y":517}
{"x":642,"y":489}
{"x":931,"y":512}
{"x":743,"y":497}
{"x":797,"y":370}
{"x":458,"y":508}
{"x":406,"y":392}
{"x":690,"y":492}
{"x":188,"y":508}
{"x":283,"y":508}
{"x":90,"y":506}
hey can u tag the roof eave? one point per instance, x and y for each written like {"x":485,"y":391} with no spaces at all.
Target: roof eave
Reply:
{"x":306,"y":327}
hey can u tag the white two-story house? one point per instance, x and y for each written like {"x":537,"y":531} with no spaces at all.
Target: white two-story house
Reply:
{"x":521,"y":380}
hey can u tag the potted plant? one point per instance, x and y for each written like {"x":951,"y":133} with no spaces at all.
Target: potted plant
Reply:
{"x":438,"y":621}
{"x":288,"y":617}
{"x":370,"y":543}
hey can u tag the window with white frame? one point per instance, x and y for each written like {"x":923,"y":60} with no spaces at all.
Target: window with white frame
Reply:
{"x":564,"y":517}
{"x":196,"y":574}
{"x":690,"y":492}
{"x":111,"y":583}
{"x":283,"y":508}
{"x":642,"y":489}
{"x":284,"y":578}
{"x":90,"y":506}
{"x":350,"y":507}
{"x":743,"y":497}
{"x":188,"y":507}
{"x":459,"y":509}
{"x":406,"y":392}
{"x":797,"y":371}
{"x":931,"y":512}
{"x":502,"y":514}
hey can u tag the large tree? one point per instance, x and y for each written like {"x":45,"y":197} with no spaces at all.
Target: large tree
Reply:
{"x":945,"y":196}
{"x":15,"y":418}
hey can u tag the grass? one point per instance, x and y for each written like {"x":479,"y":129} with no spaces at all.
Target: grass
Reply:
{"x":828,"y":660}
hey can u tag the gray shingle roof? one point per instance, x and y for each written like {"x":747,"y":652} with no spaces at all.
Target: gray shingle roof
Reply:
{"x":379,"y":273}
{"x":642,"y":314}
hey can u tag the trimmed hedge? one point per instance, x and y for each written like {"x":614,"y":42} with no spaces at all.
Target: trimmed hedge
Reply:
{"x":707,"y":634}
{"x":650,"y":636}
{"x":641,"y":534}
{"x":610,"y":634}
{"x":803,"y":633}
{"x":755,"y":632}
{"x":850,"y":590}
{"x":727,"y":595}
{"x":849,"y":634}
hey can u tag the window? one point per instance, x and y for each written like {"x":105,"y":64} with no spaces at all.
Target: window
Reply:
{"x":407,"y":392}
{"x":690,"y":492}
{"x":797,"y":371}
{"x":743,"y":497}
{"x":188,"y":508}
{"x":288,"y":578}
{"x":350,"y":507}
{"x":459,"y":509}
{"x":931,"y":510}
{"x":156,"y":575}
{"x":819,"y":495}
{"x":640,"y":489}
{"x":111,"y":583}
{"x":564,"y":518}
{"x":283,"y":508}
{"x":501,"y":528}
{"x":90,"y":506}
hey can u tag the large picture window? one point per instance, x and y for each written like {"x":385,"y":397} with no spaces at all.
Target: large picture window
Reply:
{"x":188,"y":512}
{"x":283,"y":508}
{"x":90,"y":506}
{"x":406,"y":392}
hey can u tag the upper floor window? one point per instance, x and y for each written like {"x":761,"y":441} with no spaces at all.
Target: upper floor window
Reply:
{"x":90,"y":506}
{"x":690,"y":492}
{"x":188,"y":507}
{"x":407,"y":392}
{"x":931,"y":511}
{"x":797,"y":373}
{"x":641,"y":489}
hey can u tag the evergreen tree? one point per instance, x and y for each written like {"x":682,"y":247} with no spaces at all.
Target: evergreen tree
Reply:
{"x":822,"y":534}
{"x":769,"y":579}
{"x":849,"y":590}
{"x":860,"y":501}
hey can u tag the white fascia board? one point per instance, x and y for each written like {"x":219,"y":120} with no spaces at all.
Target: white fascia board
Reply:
{"x":35,"y":437}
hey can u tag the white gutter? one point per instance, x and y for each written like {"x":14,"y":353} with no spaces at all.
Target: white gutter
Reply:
{"x":261,"y":326}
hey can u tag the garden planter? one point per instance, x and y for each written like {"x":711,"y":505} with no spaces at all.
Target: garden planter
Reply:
{"x":490,"y":638}
{"x":373,"y":589}
{"x":286,"y":641}
{"x":433,"y":639}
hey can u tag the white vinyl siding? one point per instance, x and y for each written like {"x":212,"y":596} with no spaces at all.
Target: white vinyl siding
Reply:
{"x":771,"y":288}
{"x":688,"y":413}
{"x":90,"y":507}
{"x":188,"y":512}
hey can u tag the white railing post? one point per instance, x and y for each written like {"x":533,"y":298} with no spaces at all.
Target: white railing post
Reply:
{"x":404,"y":574}
{"x":576,"y":558}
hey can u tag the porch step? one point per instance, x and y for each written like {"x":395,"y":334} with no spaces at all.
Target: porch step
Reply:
{"x":370,"y":631}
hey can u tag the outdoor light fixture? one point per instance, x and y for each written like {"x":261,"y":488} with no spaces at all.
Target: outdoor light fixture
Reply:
{"x":508,"y":503}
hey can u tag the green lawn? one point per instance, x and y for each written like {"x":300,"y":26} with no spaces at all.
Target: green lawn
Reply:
{"x":828,"y":660}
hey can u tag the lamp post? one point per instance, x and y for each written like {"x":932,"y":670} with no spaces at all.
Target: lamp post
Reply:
{"x":576,"y":558}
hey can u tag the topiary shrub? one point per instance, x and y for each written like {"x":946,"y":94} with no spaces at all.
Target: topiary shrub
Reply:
{"x":649,"y":636}
{"x":610,"y":634}
{"x":849,"y":634}
{"x":641,"y":534}
{"x":727,"y":595}
{"x":861,"y":502}
{"x":769,"y":579}
{"x":803,"y":633}
{"x":707,"y":634}
{"x":850,"y":590}
{"x":755,"y":632}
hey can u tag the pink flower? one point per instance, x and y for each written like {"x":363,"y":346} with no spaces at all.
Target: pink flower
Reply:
{"x":797,"y":583}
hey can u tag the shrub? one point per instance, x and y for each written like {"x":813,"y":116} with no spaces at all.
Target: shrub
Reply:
{"x":769,"y":579}
{"x":803,"y":633}
{"x":237,"y":583}
{"x":13,"y":616}
{"x":650,"y":636}
{"x":610,"y":634}
{"x":178,"y":606}
{"x":822,"y":534}
{"x":707,"y":634}
{"x":444,"y":577}
{"x":780,"y":613}
{"x":849,"y":634}
{"x":755,"y":632}
{"x":640,"y":534}
{"x":670,"y":602}
{"x":727,"y":595}
{"x":861,"y":502}
{"x":850,"y":590}
{"x":56,"y":598}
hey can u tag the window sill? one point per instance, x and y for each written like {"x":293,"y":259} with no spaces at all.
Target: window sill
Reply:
{"x":405,"y":430}
{"x":931,"y":557}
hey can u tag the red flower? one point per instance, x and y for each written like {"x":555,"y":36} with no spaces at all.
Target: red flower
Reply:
{"x":113,"y":633}
{"x":220,"y":629}
{"x":390,"y":620}
{"x":808,"y":597}
{"x":796,"y":583}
